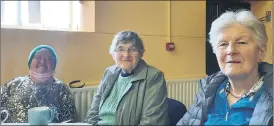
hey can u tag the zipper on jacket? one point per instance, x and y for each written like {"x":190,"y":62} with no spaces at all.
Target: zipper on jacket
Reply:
{"x":226,"y":115}
{"x":125,"y":91}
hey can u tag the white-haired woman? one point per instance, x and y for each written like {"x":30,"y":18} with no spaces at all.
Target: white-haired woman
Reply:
{"x":241,"y":93}
{"x":131,"y":92}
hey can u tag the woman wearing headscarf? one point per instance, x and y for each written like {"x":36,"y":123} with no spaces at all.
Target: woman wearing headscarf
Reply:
{"x":38,"y":88}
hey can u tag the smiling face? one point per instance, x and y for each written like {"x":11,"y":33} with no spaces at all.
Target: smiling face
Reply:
{"x":126,"y":56}
{"x":43,"y":62}
{"x":237,"y":52}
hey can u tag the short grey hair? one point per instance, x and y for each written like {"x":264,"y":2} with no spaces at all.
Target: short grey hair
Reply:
{"x":125,"y":37}
{"x":245,"y":18}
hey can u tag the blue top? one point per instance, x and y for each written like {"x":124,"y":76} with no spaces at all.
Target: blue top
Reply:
{"x":240,"y":112}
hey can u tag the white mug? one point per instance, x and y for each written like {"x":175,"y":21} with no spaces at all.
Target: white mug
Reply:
{"x":7,"y":115}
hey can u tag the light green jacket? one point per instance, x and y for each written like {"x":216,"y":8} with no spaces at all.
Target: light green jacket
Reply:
{"x":145,"y":102}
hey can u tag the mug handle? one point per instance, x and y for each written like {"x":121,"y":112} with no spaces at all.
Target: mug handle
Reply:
{"x":7,"y":115}
{"x":52,"y":114}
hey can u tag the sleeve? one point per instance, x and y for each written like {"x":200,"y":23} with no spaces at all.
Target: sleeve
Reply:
{"x":191,"y":115}
{"x":155,"y":107}
{"x":270,"y":122}
{"x":92,"y":115}
{"x":6,"y":92}
{"x":67,"y":106}
{"x":4,"y":98}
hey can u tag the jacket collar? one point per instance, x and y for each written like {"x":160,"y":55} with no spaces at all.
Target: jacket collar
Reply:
{"x":215,"y":80}
{"x":267,"y":71}
{"x":140,"y":73}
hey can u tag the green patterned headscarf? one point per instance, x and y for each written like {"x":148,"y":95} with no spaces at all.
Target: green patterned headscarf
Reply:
{"x":32,"y":53}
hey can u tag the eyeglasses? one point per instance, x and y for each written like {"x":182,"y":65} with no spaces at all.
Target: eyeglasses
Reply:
{"x":132,"y":51}
{"x":50,"y":58}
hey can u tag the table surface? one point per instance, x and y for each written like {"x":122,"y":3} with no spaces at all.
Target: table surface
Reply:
{"x":48,"y":124}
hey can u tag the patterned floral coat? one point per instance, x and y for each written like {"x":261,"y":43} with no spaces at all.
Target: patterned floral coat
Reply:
{"x":21,"y":94}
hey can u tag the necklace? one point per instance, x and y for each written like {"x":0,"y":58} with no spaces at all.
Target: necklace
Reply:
{"x":235,"y":96}
{"x":251,"y":92}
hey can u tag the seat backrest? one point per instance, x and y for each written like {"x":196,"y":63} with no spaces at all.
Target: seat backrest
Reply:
{"x":176,"y":111}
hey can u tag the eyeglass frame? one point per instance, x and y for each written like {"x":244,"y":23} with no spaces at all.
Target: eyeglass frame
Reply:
{"x":131,"y":51}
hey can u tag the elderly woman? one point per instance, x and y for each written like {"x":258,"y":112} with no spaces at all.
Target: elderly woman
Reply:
{"x":241,"y":93}
{"x":39,"y":88}
{"x":131,"y":92}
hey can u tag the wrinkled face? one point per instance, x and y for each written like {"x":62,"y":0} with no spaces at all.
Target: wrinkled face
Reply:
{"x":126,"y":56}
{"x":237,"y":52}
{"x":42,"y":62}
